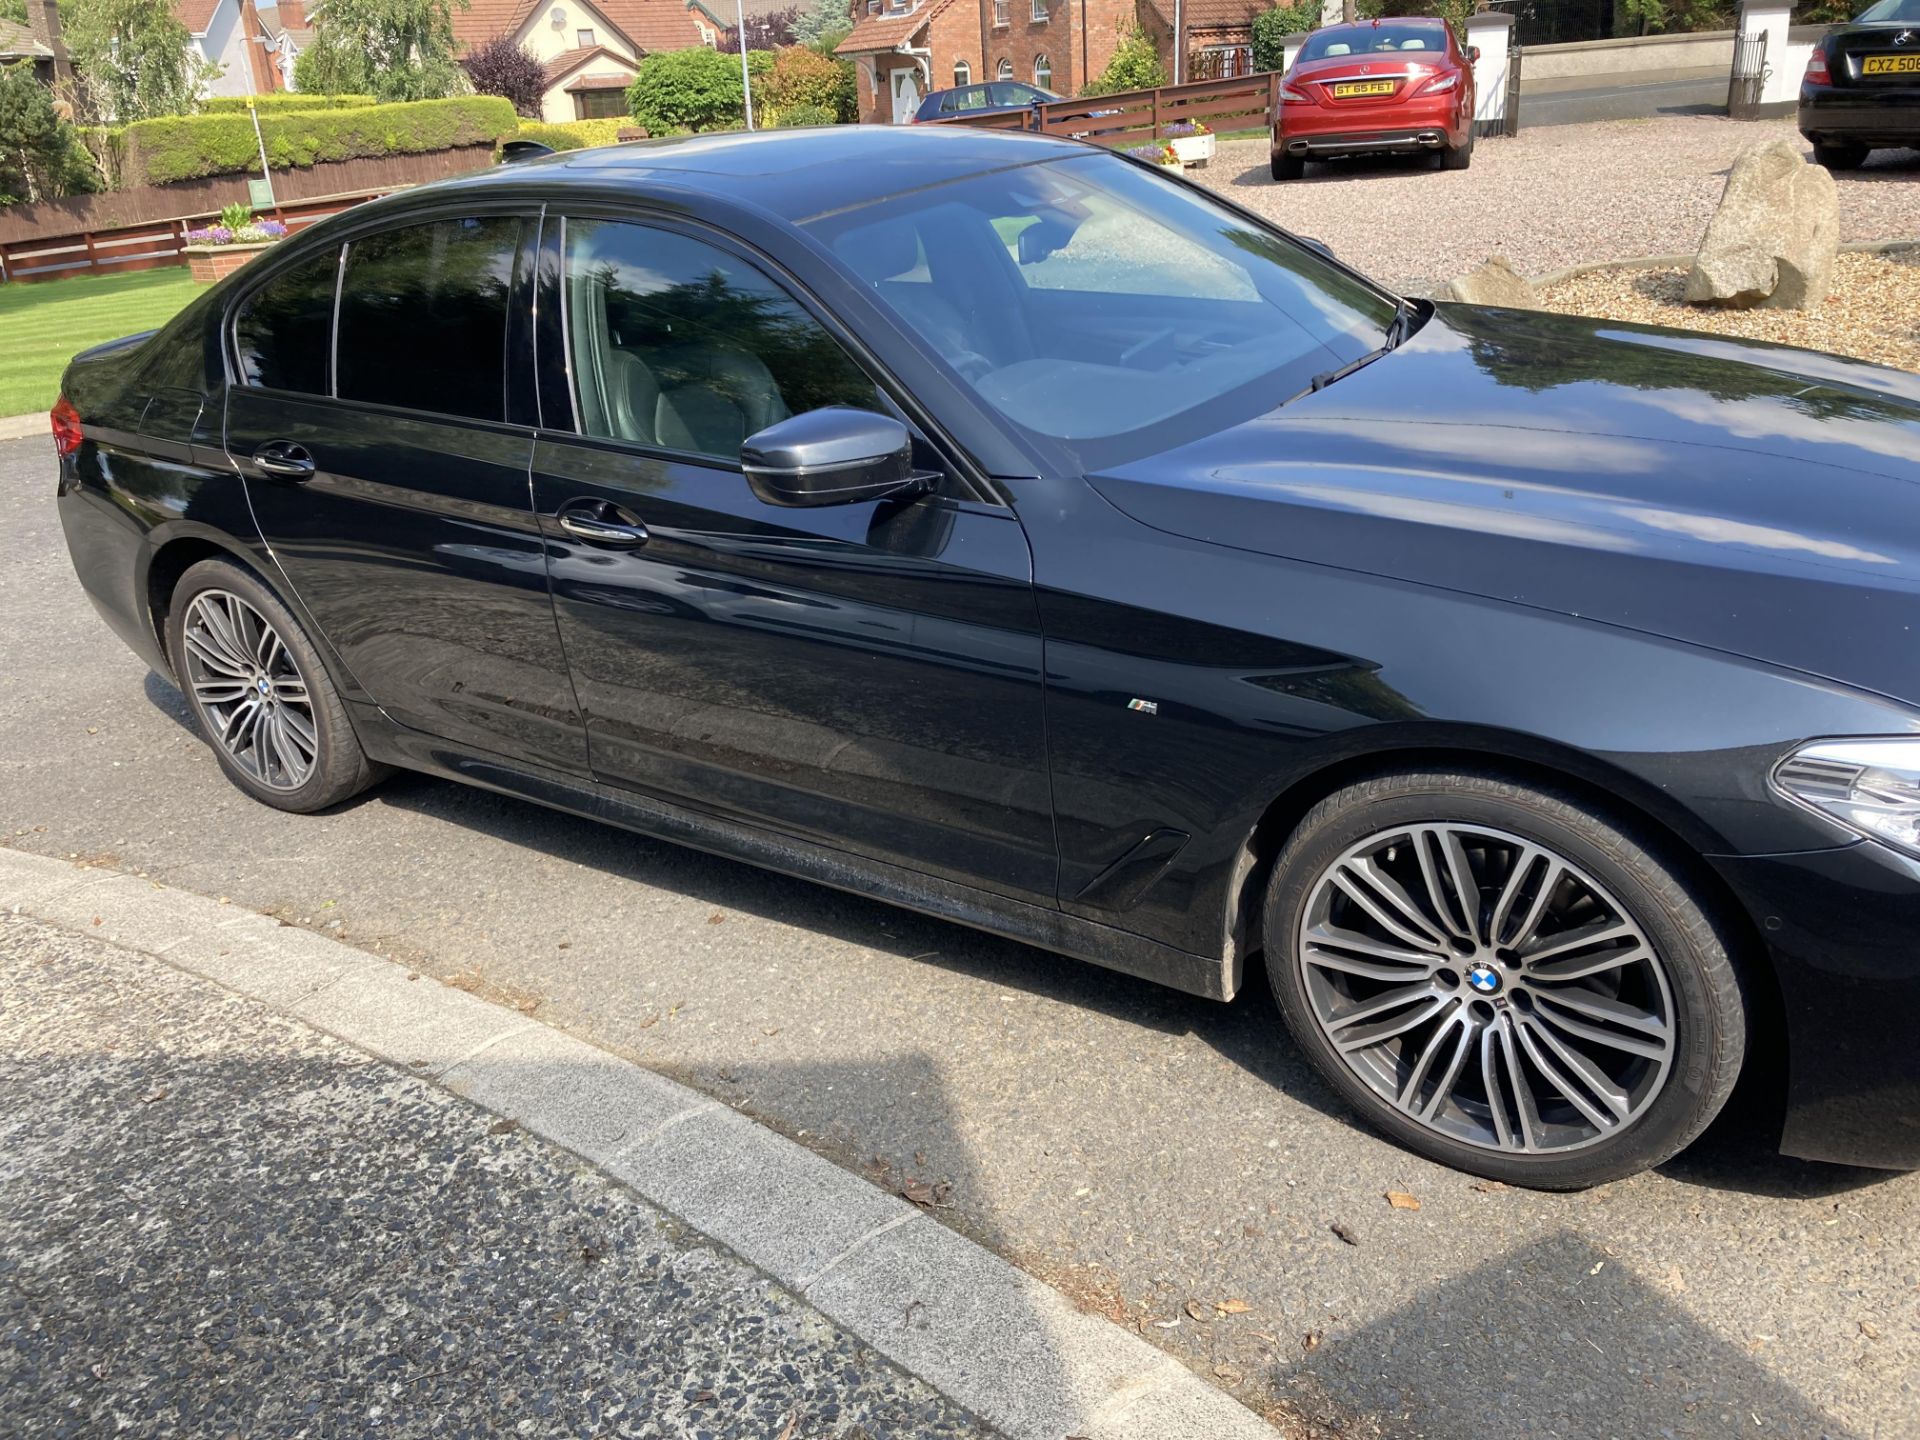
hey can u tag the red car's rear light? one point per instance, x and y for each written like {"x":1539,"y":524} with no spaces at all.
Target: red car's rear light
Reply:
{"x":67,"y":434}
{"x":1289,"y":92}
{"x":1441,"y":83}
{"x":1817,"y":73}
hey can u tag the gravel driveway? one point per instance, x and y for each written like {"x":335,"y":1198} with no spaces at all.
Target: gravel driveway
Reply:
{"x":1553,"y":196}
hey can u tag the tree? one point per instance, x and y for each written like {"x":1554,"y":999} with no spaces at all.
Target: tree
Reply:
{"x":694,"y":89}
{"x":134,"y":60}
{"x":1271,"y":29}
{"x":40,"y":154}
{"x":768,"y":31}
{"x":501,"y":67}
{"x":822,"y":21}
{"x":803,"y":78}
{"x":391,"y":49}
{"x":1135,"y":66}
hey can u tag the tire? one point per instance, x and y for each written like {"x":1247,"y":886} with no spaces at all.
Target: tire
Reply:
{"x":1671,"y":1027}
{"x":1839,"y":157}
{"x":1458,"y":157}
{"x":223,"y":619}
{"x":1287,"y":167}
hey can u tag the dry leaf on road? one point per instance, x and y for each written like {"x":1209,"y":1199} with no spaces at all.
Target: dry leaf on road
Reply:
{"x":1232,"y":1307}
{"x":1196,"y":1310}
{"x":1401,"y":1200}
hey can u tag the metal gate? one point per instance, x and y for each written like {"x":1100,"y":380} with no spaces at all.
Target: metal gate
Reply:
{"x":1749,"y":76}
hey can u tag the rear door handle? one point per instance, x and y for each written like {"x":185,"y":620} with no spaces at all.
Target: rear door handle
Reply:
{"x":285,"y":459}
{"x":600,"y":522}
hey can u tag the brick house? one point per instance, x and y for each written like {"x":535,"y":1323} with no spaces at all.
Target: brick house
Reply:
{"x":904,"y":49}
{"x":590,"y":48}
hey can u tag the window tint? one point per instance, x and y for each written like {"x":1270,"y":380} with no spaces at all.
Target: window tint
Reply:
{"x":423,"y":317}
{"x":284,"y":331}
{"x":678,"y":345}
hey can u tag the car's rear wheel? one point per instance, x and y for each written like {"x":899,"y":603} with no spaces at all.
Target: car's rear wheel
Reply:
{"x":1839,"y":157}
{"x":259,"y":693}
{"x":1458,"y":157}
{"x":1501,"y":979}
{"x":1288,"y":167}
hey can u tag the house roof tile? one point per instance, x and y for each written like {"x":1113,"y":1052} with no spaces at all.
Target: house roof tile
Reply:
{"x":196,"y":15}
{"x":17,"y":40}
{"x":649,"y":25}
{"x":885,"y":31}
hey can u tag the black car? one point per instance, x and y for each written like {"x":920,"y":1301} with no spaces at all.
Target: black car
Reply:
{"x":1001,"y":527}
{"x":1861,"y":91}
{"x":988,"y":99}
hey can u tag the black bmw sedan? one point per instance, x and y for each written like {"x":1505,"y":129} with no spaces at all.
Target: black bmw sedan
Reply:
{"x":1003,"y":528}
{"x":1861,"y":91}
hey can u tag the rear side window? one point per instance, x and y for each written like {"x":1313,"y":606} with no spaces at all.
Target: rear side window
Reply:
{"x":423,"y":317}
{"x":285,"y":329}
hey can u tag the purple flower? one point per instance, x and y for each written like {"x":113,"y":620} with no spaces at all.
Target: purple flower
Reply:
{"x":273,"y":228}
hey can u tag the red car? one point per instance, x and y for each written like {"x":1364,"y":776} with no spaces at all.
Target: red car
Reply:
{"x":1398,"y":87}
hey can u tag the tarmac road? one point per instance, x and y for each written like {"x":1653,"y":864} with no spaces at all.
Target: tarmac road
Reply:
{"x":1139,"y":1148}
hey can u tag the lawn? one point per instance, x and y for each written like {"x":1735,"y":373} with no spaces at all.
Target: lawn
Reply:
{"x":43,"y":325}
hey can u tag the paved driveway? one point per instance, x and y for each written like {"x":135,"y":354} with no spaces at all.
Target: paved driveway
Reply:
{"x":1550,"y":196}
{"x":1156,"y":1155}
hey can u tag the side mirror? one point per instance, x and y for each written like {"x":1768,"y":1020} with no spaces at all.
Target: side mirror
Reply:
{"x":1473,"y":53}
{"x":834,"y":456}
{"x":1319,"y":247}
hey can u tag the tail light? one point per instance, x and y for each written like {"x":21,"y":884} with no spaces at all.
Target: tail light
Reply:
{"x":1288,"y":91}
{"x":1817,"y":73}
{"x":67,"y":434}
{"x":1440,"y":84}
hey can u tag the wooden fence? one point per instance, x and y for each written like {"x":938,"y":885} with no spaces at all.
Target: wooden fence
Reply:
{"x":141,"y":247}
{"x":1138,"y":117}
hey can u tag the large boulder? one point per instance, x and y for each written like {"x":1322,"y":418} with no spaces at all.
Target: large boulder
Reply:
{"x":1494,"y":283}
{"x":1773,"y":239}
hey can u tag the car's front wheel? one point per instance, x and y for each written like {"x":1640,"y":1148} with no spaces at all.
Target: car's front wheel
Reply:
{"x":1501,"y":979}
{"x":259,"y":693}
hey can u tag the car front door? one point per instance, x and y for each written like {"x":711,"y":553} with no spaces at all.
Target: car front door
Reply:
{"x":388,"y":476}
{"x":866,"y":676}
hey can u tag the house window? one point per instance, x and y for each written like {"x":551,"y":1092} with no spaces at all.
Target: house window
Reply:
{"x":999,"y":14}
{"x":1040,"y":11}
{"x":1043,"y":72}
{"x":1005,"y":72}
{"x":600,"y":104}
{"x":962,"y":74}
{"x":585,"y":37}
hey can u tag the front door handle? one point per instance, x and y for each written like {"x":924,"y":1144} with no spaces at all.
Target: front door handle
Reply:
{"x":600,"y":522}
{"x":285,"y":459}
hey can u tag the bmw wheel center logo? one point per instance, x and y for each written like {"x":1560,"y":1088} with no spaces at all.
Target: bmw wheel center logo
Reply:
{"x":1484,"y":979}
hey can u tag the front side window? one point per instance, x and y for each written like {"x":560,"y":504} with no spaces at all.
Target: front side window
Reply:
{"x":284,"y":331}
{"x":423,"y":317}
{"x":677,"y":345}
{"x":1103,"y":308}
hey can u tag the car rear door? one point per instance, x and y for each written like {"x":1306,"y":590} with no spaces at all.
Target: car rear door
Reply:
{"x":866,"y":676}
{"x":387,"y":469}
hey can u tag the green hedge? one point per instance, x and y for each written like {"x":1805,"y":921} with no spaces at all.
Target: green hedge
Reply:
{"x":572,"y":134}
{"x":185,"y":147}
{"x":281,"y":103}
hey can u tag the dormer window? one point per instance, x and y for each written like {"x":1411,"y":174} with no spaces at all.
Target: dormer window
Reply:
{"x":584,"y":38}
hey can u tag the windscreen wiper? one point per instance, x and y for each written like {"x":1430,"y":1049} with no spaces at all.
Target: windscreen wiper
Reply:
{"x":1406,"y":319}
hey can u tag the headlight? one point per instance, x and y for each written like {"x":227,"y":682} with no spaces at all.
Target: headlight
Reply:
{"x":1870,"y":786}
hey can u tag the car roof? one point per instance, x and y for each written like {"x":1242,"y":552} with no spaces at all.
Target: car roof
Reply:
{"x":794,"y":174}
{"x":1380,"y":23}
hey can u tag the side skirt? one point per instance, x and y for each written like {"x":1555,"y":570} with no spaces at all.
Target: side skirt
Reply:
{"x":1049,"y":929}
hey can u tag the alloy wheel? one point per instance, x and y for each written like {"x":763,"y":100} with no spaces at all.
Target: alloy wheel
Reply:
{"x":249,"y":691}
{"x":1487,"y":988}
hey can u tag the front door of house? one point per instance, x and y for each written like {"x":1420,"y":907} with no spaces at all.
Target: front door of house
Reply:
{"x":906,"y":93}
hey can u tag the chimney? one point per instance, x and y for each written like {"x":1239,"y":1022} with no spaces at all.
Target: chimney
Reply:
{"x":43,"y":19}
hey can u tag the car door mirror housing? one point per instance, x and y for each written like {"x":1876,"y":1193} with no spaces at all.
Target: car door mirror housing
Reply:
{"x":1319,"y":247}
{"x":832,"y":456}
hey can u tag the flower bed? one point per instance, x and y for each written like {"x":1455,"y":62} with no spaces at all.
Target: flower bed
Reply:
{"x":1155,"y":155}
{"x":216,"y":251}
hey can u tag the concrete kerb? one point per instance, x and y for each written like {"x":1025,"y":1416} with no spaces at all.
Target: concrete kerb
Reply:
{"x":993,"y":1339}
